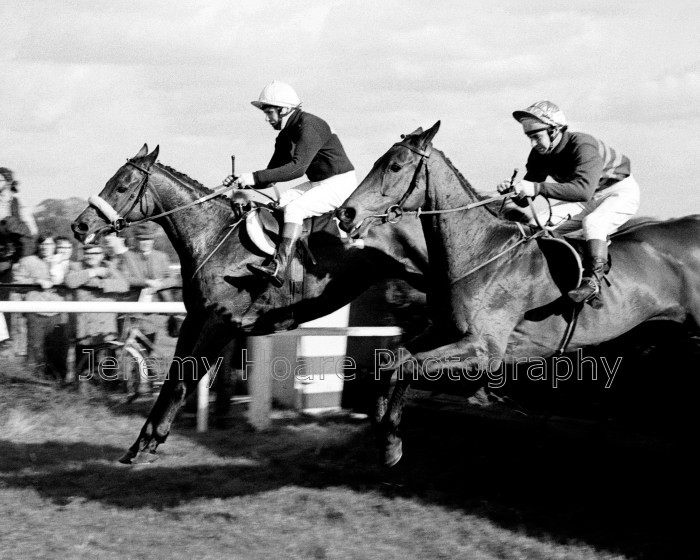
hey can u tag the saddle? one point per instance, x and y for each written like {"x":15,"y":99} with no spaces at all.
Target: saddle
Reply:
{"x":565,"y":253}
{"x":263,"y":226}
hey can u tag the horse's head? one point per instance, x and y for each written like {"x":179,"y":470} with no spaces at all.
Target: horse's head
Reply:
{"x":395,"y":183}
{"x":124,"y":196}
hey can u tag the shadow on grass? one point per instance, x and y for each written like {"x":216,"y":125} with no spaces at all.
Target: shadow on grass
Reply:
{"x":577,"y":482}
{"x":583,"y":488}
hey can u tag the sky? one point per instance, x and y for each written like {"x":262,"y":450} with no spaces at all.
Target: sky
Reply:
{"x":86,"y":83}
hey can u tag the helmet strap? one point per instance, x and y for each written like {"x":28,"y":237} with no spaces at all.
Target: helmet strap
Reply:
{"x":553,"y":133}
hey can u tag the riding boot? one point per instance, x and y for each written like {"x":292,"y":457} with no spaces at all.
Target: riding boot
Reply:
{"x":594,"y":268}
{"x":276,"y":270}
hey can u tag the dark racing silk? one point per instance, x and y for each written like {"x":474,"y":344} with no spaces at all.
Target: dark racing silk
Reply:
{"x":580,"y":165}
{"x":306,"y":145}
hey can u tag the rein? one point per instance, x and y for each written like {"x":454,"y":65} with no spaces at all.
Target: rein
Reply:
{"x":505,"y":251}
{"x":118,"y":220}
{"x":395,"y":212}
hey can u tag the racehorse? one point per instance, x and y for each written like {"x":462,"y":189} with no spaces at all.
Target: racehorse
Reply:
{"x":493,"y":296}
{"x":223,"y":299}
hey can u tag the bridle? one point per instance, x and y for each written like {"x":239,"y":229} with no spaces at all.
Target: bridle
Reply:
{"x":118,"y":220}
{"x":395,"y":212}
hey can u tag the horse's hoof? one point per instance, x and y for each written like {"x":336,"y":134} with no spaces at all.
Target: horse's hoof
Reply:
{"x":393,"y":452}
{"x":144,"y":458}
{"x":140,"y":458}
{"x":127,"y":458}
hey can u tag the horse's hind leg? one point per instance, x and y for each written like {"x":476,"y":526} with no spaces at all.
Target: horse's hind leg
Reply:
{"x":390,"y":442}
{"x":464,"y":354}
{"x":196,"y":343}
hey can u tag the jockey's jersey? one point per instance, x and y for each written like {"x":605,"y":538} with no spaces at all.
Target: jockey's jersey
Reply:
{"x":580,"y":165}
{"x":306,"y":145}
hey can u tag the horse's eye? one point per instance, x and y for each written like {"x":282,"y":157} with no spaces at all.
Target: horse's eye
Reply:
{"x":395,"y":167}
{"x":122,"y":188}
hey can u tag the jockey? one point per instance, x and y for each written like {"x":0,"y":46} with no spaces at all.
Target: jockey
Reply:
{"x":592,"y":185}
{"x":305,"y":145}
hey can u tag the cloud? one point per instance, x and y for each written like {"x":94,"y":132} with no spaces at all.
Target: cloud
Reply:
{"x":86,"y":83}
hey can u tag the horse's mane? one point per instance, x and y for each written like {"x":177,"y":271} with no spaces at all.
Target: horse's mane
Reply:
{"x":190,"y":182}
{"x":180,"y":175}
{"x":462,"y":179}
{"x":513,"y":214}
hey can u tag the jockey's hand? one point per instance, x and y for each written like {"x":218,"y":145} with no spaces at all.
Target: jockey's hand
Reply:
{"x":504,"y":186}
{"x":525,"y":188}
{"x":245,"y":180}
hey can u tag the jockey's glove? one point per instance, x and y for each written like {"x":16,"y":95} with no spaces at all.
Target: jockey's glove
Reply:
{"x":525,"y":188}
{"x":504,"y":186}
{"x":245,"y":180}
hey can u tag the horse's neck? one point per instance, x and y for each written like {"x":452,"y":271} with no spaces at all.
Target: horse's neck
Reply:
{"x":460,"y":240}
{"x":403,"y":244}
{"x":191,"y":231}
{"x":344,"y":271}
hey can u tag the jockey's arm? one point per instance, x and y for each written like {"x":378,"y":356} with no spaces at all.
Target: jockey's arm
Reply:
{"x":583,"y":179}
{"x":309,"y":144}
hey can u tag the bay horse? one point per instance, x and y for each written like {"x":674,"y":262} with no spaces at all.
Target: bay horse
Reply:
{"x":223,"y":299}
{"x":491,"y":294}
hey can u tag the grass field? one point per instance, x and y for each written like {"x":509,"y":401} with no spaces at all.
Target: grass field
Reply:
{"x":469,"y":487}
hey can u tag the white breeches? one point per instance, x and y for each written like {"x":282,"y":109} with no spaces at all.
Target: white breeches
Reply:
{"x":317,"y":197}
{"x":600,"y":216}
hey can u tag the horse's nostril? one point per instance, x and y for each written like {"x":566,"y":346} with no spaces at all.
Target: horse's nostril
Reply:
{"x":79,"y":227}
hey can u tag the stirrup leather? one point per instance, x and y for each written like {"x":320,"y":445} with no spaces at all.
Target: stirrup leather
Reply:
{"x":266,"y":270}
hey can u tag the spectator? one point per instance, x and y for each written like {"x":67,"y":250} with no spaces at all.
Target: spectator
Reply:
{"x":117,"y":253}
{"x":62,"y":259}
{"x":11,"y":205}
{"x":149,"y":269}
{"x":47,"y":333}
{"x":17,"y":228}
{"x":94,"y":279}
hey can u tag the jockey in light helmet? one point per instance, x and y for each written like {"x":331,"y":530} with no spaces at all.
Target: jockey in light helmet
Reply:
{"x":305,"y":145}
{"x":592,"y":184}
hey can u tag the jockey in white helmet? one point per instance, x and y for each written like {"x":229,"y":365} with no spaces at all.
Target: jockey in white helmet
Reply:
{"x":592,"y":183}
{"x":306,"y":145}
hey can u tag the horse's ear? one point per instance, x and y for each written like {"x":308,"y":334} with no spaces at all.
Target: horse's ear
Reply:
{"x":429,"y":134}
{"x":152,"y":157}
{"x":142,"y":152}
{"x":418,"y":131}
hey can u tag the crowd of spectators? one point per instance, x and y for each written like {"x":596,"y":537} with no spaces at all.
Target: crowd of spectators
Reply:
{"x":40,"y":266}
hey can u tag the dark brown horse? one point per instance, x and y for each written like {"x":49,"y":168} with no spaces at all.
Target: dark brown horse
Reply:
{"x":223,"y":299}
{"x":492,"y":295}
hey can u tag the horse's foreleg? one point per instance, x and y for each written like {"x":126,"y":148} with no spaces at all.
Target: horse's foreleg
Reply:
{"x":196,"y":351}
{"x":379,"y":394}
{"x":389,"y":439}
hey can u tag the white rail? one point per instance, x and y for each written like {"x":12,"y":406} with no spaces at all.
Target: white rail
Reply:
{"x":260,"y":383}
